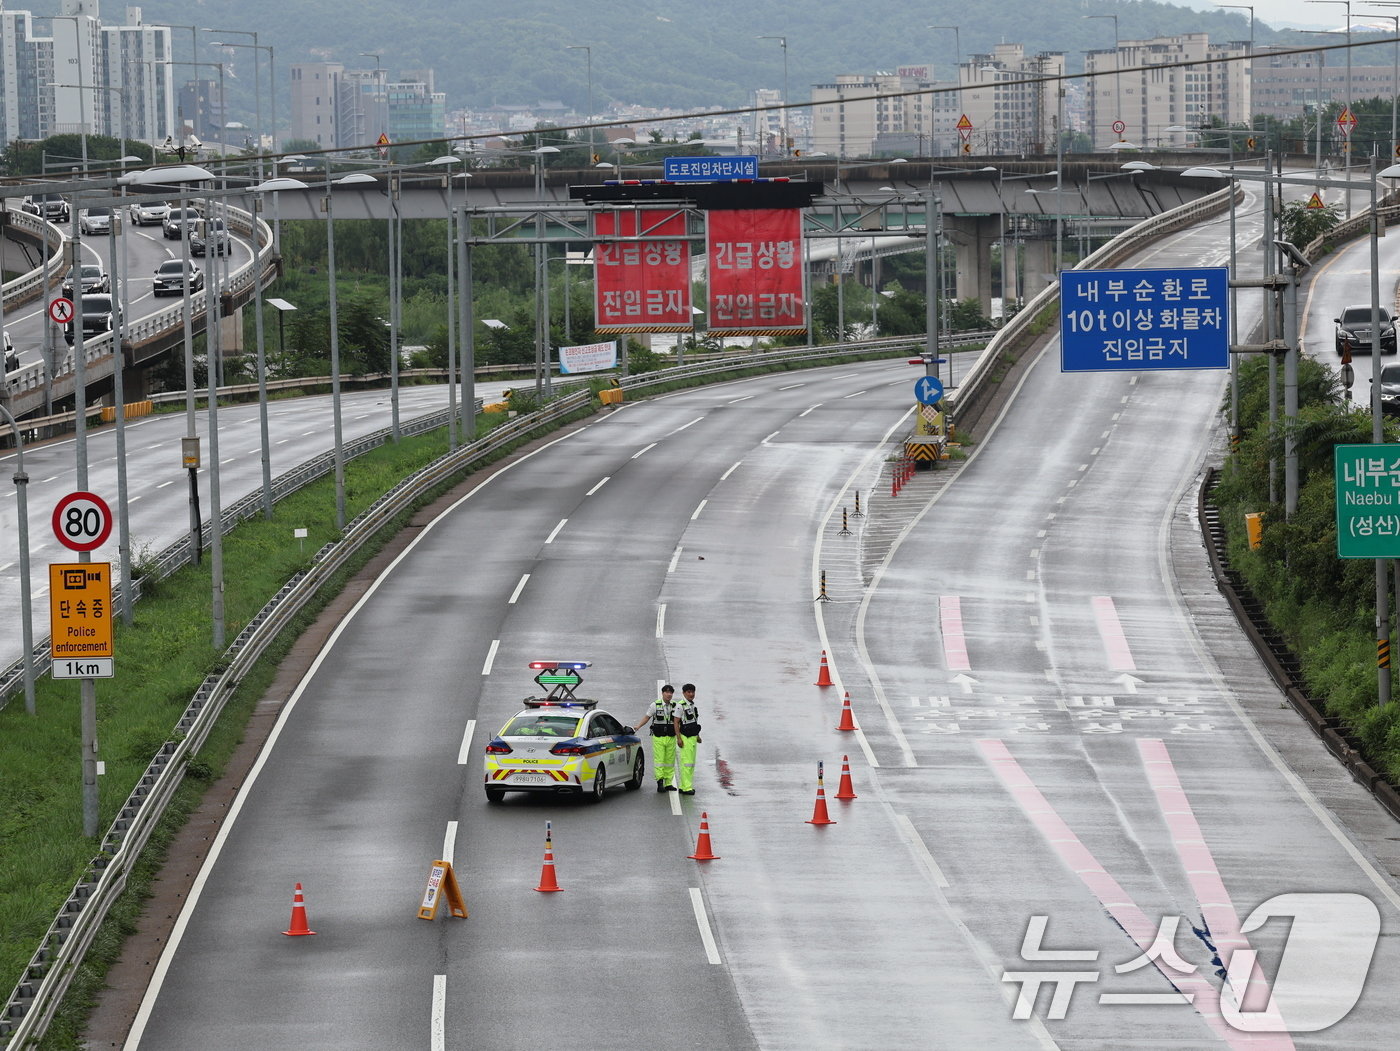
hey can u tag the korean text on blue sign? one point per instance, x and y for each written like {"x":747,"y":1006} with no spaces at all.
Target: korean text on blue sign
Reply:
{"x":1368,"y":500}
{"x":1126,"y":320}
{"x":710,"y":169}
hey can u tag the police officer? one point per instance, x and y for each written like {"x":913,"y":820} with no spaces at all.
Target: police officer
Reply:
{"x":687,"y":718}
{"x":661,"y":717}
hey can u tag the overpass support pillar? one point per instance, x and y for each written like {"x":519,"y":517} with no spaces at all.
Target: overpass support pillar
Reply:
{"x":973,"y":237}
{"x":1039,"y":262}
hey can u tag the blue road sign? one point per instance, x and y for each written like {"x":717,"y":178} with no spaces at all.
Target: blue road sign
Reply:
{"x":928,"y":390}
{"x":1130,"y":320}
{"x":710,"y":169}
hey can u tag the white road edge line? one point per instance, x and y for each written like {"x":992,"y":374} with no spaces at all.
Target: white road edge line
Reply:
{"x":490,"y":657}
{"x":464,"y":751}
{"x":921,"y":850}
{"x":177,"y":933}
{"x":438,"y":1021}
{"x":703,"y":922}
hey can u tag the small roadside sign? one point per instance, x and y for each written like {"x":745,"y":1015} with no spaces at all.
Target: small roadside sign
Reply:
{"x":1346,"y":120}
{"x":80,"y":619}
{"x":1315,"y":201}
{"x":82,"y":521}
{"x":383,"y":139}
{"x":1119,"y":127}
{"x":964,"y":123}
{"x":442,"y":883}
{"x":61,"y":310}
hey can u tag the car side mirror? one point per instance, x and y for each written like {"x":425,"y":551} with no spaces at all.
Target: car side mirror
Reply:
{"x":1336,"y":321}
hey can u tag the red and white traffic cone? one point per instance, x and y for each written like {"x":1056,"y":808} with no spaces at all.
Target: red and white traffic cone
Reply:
{"x":548,"y":881}
{"x":847,"y":719}
{"x":845,"y":790}
{"x":819,"y":814}
{"x":824,"y":673}
{"x":702,"y":843}
{"x":298,"y":915}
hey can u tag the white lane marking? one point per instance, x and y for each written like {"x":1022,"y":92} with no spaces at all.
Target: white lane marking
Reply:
{"x":696,"y":513}
{"x":449,"y":842}
{"x":490,"y":657}
{"x":661,"y":620}
{"x":464,"y":750}
{"x":550,"y":539}
{"x":438,"y":1020}
{"x":857,"y":394}
{"x":735,"y":401}
{"x":1115,"y":642}
{"x":7,"y":565}
{"x":598,"y":486}
{"x":792,"y":386}
{"x":765,"y":440}
{"x":920,"y":848}
{"x":674,"y":559}
{"x":518,"y":589}
{"x":804,"y":412}
{"x":683,"y":426}
{"x":646,"y":448}
{"x":51,"y":478}
{"x":703,"y":922}
{"x":731,"y":470}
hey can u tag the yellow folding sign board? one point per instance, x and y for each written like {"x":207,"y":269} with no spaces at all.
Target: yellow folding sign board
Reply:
{"x":442,"y":883}
{"x":80,"y":610}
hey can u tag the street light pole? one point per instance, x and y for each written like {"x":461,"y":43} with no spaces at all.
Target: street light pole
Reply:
{"x":21,"y":480}
{"x":957,"y":70}
{"x":1250,"y":65}
{"x":378,"y":74}
{"x":257,"y":84}
{"x":1346,"y":4}
{"x":1394,"y":72}
{"x":1117,"y":82}
{"x":782,"y":41}
{"x":588,"y":53}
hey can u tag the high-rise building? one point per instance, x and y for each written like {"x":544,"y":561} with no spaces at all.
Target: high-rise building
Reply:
{"x":84,"y":77}
{"x":339,"y":108}
{"x":1164,"y":106}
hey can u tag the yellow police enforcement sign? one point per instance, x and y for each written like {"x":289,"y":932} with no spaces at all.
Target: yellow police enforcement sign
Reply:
{"x":442,"y":883}
{"x":80,"y":619}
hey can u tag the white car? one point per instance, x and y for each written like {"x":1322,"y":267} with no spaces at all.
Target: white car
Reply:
{"x":152,"y":213}
{"x":95,"y":220}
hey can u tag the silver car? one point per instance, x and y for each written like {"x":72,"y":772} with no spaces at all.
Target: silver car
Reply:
{"x":95,"y":220}
{"x":151,"y":213}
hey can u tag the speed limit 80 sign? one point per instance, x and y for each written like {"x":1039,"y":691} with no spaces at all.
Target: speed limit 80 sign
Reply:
{"x":82,"y":521}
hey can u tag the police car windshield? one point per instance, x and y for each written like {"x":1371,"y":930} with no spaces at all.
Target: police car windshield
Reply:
{"x":531,"y":725}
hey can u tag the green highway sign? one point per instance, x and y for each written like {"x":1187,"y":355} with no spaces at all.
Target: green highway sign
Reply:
{"x":1368,"y":501}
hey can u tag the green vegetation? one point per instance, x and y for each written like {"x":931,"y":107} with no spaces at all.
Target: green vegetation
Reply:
{"x":1323,"y":605}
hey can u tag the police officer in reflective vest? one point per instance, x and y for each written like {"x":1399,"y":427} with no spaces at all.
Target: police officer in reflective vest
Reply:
{"x":687,"y":737}
{"x":661,"y":717}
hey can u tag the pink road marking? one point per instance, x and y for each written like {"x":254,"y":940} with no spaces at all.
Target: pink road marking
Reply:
{"x":1120,"y":658}
{"x":1206,"y":883}
{"x":1115,"y":900}
{"x":951,"y":626}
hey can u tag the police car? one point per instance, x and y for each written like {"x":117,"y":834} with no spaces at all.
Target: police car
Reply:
{"x":563,"y":744}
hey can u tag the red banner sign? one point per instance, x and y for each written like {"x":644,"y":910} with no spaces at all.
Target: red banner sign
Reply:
{"x":756,"y":277}
{"x":641,"y":286}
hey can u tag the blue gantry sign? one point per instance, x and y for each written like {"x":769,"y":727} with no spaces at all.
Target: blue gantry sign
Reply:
{"x":710,"y":169}
{"x":1129,"y":320}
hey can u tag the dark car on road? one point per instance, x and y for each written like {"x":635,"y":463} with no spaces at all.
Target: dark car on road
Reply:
{"x":1354,"y":330}
{"x":209,"y":237}
{"x":176,"y":220}
{"x":97,"y":317}
{"x":1390,"y":389}
{"x":170,"y":278}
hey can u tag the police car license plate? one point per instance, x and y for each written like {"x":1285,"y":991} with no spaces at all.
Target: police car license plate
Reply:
{"x":530,"y":779}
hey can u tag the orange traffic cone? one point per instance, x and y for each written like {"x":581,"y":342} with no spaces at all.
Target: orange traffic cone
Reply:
{"x":845,"y":790}
{"x":702,"y":844}
{"x":824,"y":674}
{"x":819,"y":815}
{"x":847,"y":721}
{"x":298,"y":915}
{"x":548,"y":882}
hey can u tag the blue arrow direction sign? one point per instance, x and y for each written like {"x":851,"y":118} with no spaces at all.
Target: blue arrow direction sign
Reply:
{"x":928,"y":390}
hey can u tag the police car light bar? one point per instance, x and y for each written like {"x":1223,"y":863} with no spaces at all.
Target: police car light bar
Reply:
{"x":551,"y":665}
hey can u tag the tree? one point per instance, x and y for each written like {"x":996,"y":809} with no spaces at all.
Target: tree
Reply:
{"x":1302,"y":224}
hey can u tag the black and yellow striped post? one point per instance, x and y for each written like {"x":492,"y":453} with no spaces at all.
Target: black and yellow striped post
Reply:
{"x":1382,"y":653}
{"x":822,"y":596}
{"x":858,"y":513}
{"x":845,"y":529}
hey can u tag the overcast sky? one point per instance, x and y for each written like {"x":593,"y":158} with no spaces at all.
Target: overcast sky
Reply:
{"x":1296,"y":12}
